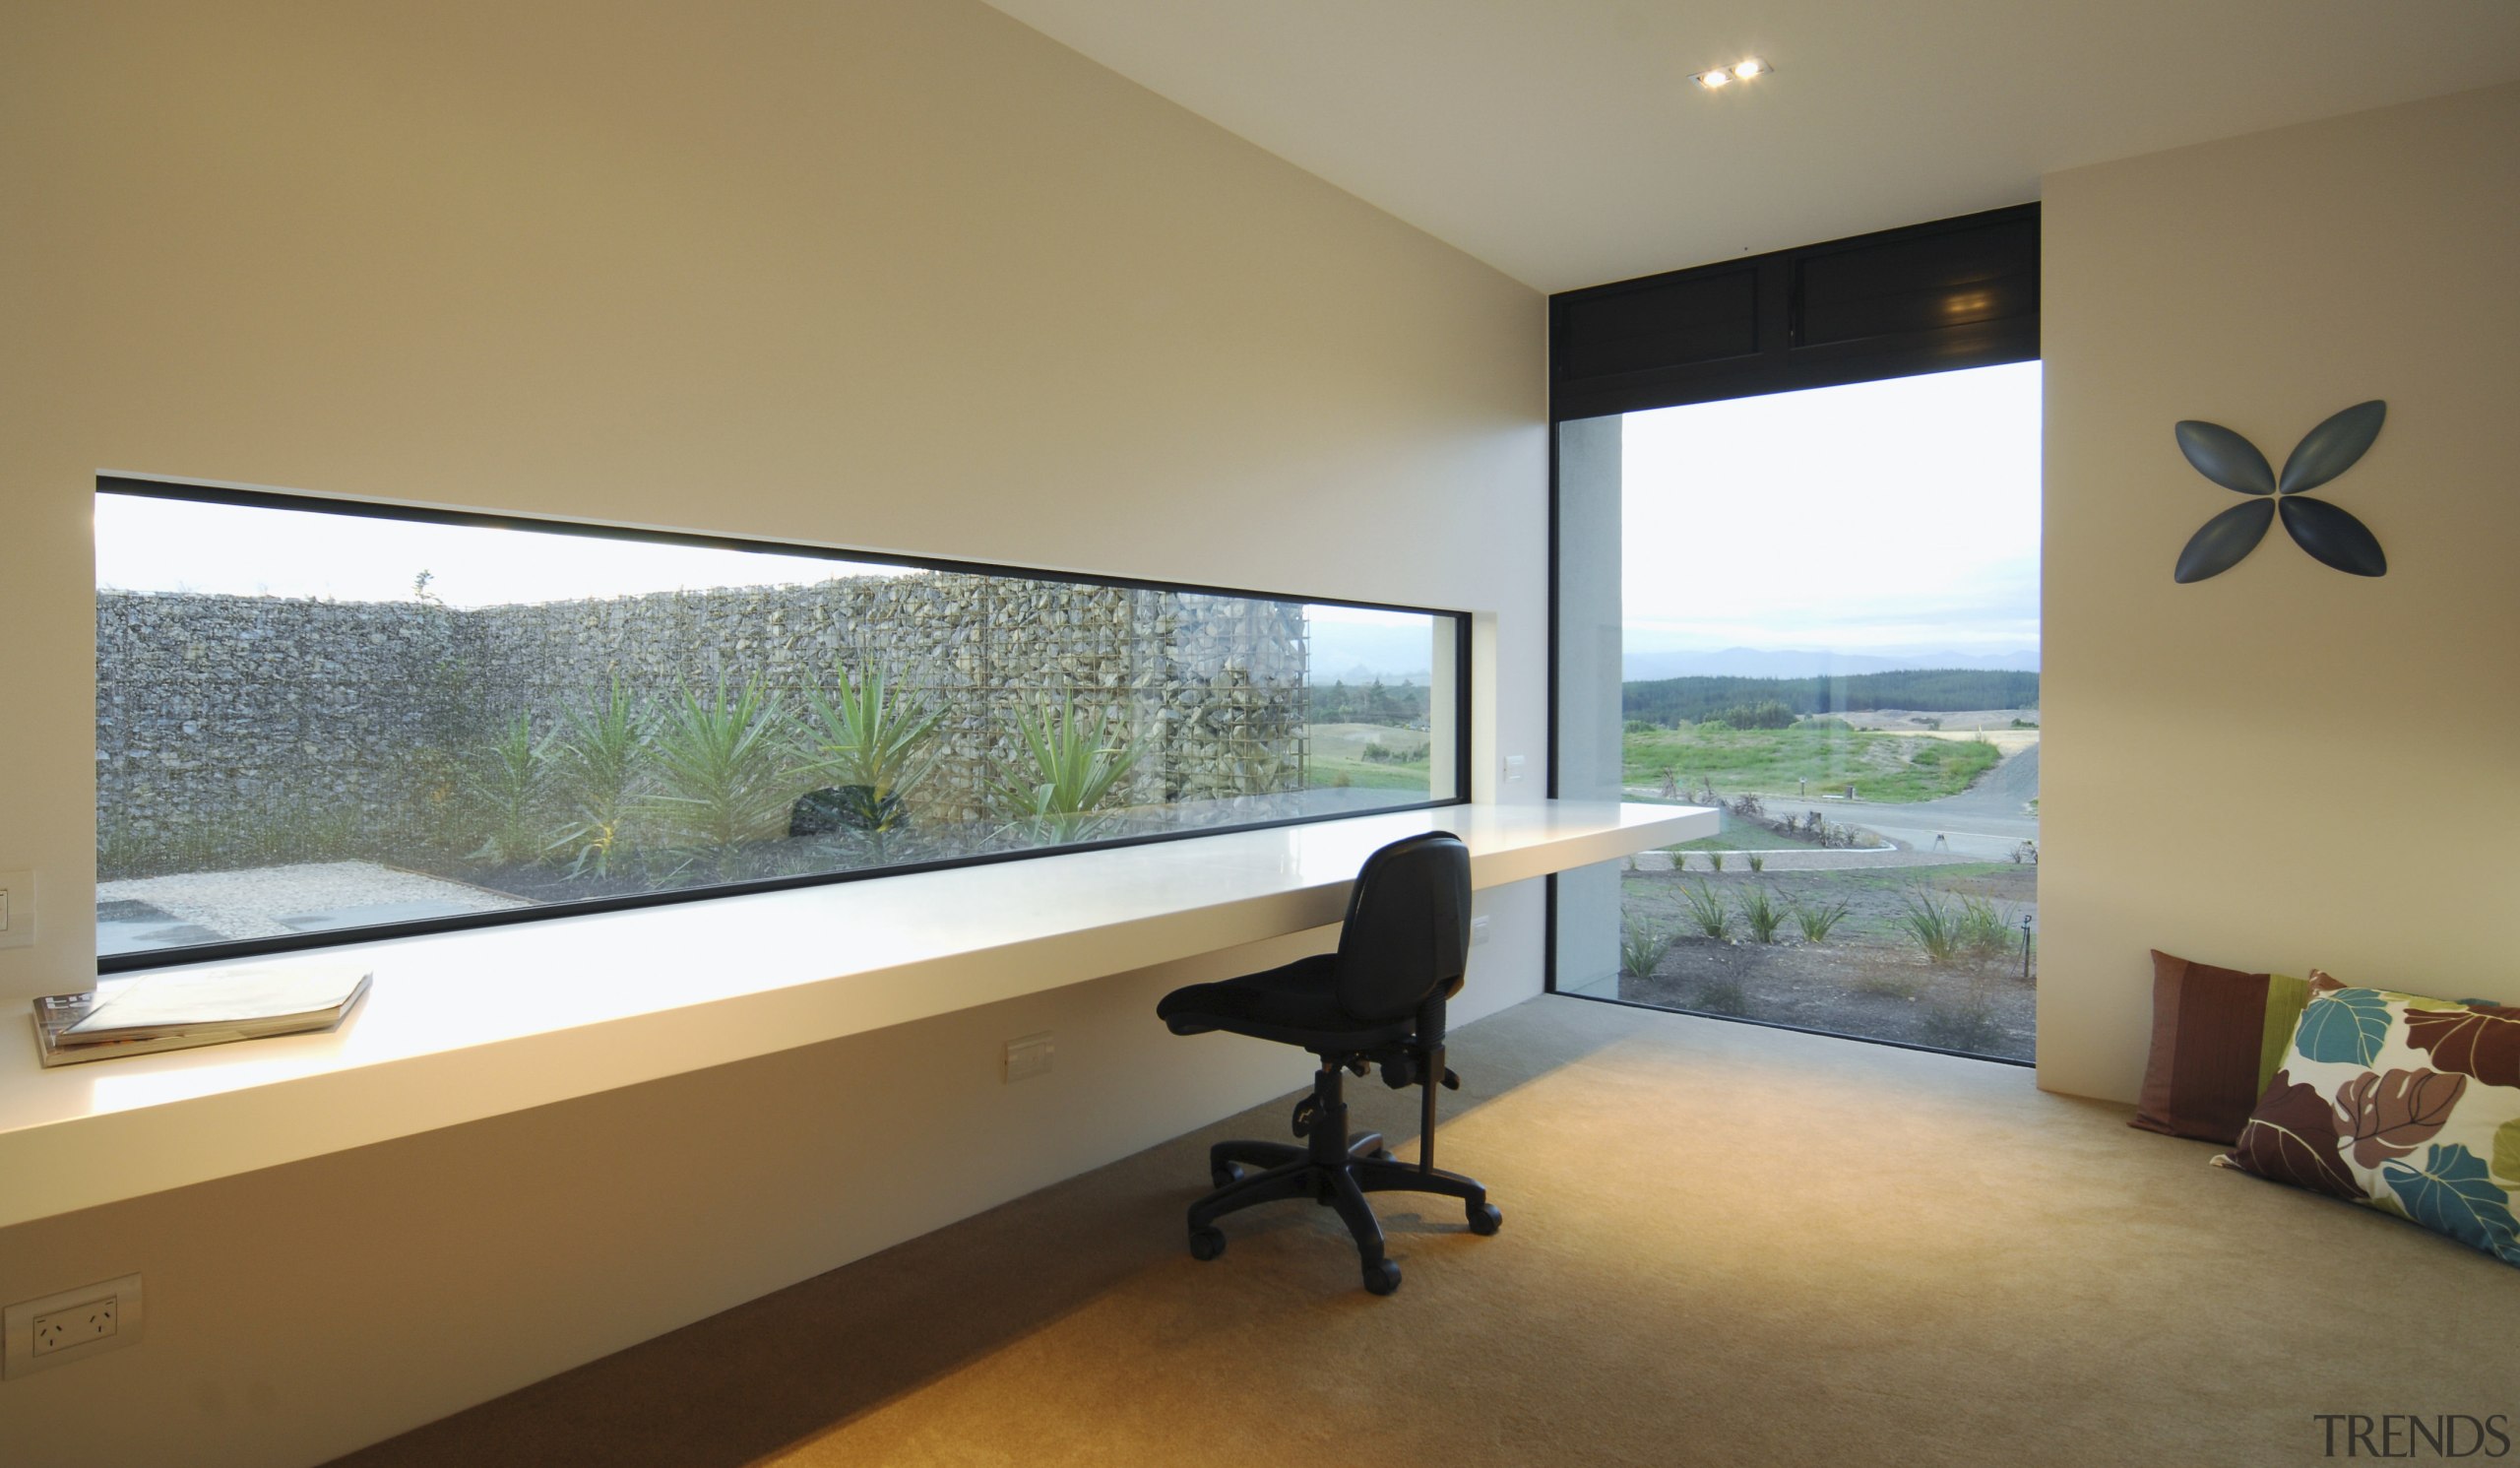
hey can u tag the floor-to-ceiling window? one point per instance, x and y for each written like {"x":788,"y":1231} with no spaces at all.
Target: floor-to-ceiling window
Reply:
{"x":1816,"y":609}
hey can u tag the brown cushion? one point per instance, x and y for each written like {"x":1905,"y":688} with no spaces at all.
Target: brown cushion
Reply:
{"x":2218,"y":1036}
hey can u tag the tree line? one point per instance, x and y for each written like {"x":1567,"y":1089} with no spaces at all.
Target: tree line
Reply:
{"x":1399,"y":705}
{"x":1688,"y":700}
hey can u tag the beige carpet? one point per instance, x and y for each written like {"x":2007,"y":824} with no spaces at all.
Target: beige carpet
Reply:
{"x":1723,"y":1244}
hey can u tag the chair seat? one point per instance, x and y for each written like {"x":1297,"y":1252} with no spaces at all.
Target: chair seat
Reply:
{"x":1296,"y":1004}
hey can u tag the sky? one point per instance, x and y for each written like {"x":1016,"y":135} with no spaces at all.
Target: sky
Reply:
{"x":1881,"y":518}
{"x":178,"y":545}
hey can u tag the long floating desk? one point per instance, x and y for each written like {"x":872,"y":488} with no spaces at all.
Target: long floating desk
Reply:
{"x":462,"y":1026}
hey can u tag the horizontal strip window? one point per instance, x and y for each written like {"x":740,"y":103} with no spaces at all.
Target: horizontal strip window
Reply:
{"x":322,"y":722}
{"x":1955,"y":293}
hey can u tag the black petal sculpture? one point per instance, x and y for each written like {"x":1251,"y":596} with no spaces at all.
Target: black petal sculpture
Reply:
{"x":2331,"y":535}
{"x":2331,"y":448}
{"x":2225,"y":539}
{"x":2226,"y":457}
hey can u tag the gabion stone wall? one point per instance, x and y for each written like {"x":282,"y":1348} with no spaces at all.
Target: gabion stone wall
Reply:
{"x":215,"y":710}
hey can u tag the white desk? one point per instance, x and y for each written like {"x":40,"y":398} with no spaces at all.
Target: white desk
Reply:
{"x":476,"y":1024}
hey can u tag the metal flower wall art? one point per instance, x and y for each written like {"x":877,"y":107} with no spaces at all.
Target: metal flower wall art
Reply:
{"x":2327,"y":533}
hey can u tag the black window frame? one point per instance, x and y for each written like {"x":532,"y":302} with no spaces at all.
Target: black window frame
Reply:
{"x":238,"y":949}
{"x":1756,"y":326}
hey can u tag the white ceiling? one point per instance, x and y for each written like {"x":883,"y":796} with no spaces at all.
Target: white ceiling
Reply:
{"x":1562,"y":142}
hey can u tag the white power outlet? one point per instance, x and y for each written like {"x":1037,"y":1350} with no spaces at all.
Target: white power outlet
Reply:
{"x":78,"y":1326}
{"x":17,"y":909}
{"x":1029,"y":1056}
{"x":36,"y":1335}
{"x":1478,"y":931}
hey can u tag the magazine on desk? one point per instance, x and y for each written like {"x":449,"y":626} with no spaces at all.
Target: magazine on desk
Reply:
{"x":150,"y":1013}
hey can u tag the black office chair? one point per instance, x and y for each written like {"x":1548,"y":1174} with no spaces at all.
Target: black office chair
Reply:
{"x":1379,"y":1000}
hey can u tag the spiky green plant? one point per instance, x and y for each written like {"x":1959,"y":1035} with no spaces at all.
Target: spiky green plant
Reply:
{"x":873,"y":748}
{"x":1933,"y":919}
{"x":1817,"y":919}
{"x":599,"y":762}
{"x":1707,"y":910}
{"x":506,"y":786}
{"x":1715,"y":860}
{"x":725,"y":779}
{"x":1641,"y":948}
{"x":1985,"y":931}
{"x":1075,"y":771}
{"x":1761,"y":911}
{"x":1758,"y":861}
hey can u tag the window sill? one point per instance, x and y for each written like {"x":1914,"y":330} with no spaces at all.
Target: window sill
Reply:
{"x":462,"y":1026}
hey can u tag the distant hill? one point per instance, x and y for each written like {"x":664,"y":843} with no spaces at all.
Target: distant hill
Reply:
{"x":1687,"y":700}
{"x":1760,"y":663}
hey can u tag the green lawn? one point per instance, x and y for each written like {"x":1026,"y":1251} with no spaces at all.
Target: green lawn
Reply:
{"x":1881,"y":766}
{"x":1321,"y":772}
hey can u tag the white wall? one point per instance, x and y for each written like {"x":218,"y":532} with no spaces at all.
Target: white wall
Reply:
{"x":900,"y":276}
{"x":2283,"y":766}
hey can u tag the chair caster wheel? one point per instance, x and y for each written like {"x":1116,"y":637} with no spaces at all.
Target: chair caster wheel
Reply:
{"x":1382,"y":1277}
{"x":1484,"y":1220}
{"x":1224,"y":1176}
{"x":1206,"y":1244}
{"x":1381,"y":1154}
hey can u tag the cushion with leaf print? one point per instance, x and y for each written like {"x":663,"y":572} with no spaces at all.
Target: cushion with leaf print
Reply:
{"x":2400,"y":1102}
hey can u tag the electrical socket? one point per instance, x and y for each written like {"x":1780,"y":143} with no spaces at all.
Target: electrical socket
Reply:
{"x":17,"y":909}
{"x":1478,"y":930}
{"x":82,"y":1323}
{"x":1029,"y":1056}
{"x":36,"y":1335}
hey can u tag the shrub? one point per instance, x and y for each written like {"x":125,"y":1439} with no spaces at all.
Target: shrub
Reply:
{"x":507,"y":788}
{"x":1816,"y":919}
{"x":1767,"y":712}
{"x":1933,"y":919}
{"x":1074,"y":774}
{"x":874,"y":748}
{"x":1723,"y":997}
{"x":1707,"y":910}
{"x":1985,"y":932}
{"x":1758,"y":861}
{"x":1715,"y":860}
{"x":726,"y":780}
{"x":1968,"y":1026}
{"x":1641,"y":948}
{"x":1761,"y":913}
{"x":598,"y":762}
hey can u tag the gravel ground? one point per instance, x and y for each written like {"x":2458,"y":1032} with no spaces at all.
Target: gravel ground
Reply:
{"x":1868,"y":978}
{"x":269,"y":902}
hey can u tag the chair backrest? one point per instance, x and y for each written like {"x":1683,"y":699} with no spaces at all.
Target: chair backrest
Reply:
{"x":1407,"y":932}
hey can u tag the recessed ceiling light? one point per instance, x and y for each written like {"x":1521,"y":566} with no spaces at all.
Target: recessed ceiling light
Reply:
{"x":1740,"y":71}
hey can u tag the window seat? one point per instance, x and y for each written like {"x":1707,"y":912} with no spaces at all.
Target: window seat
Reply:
{"x":465,"y":1024}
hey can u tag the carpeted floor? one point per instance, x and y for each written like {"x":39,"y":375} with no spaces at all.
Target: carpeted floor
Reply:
{"x":1723,"y":1244}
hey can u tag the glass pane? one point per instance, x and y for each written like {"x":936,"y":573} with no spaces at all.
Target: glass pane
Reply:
{"x":1818,"y":612}
{"x":310,"y":720}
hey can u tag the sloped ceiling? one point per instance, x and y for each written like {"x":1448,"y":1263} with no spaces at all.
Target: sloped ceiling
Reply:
{"x":1562,"y":142}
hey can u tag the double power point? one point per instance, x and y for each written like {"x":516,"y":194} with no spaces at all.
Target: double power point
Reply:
{"x":36,"y":1335}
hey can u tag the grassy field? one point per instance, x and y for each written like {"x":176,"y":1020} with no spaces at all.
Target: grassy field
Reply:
{"x":1881,"y":766}
{"x":1339,"y":750}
